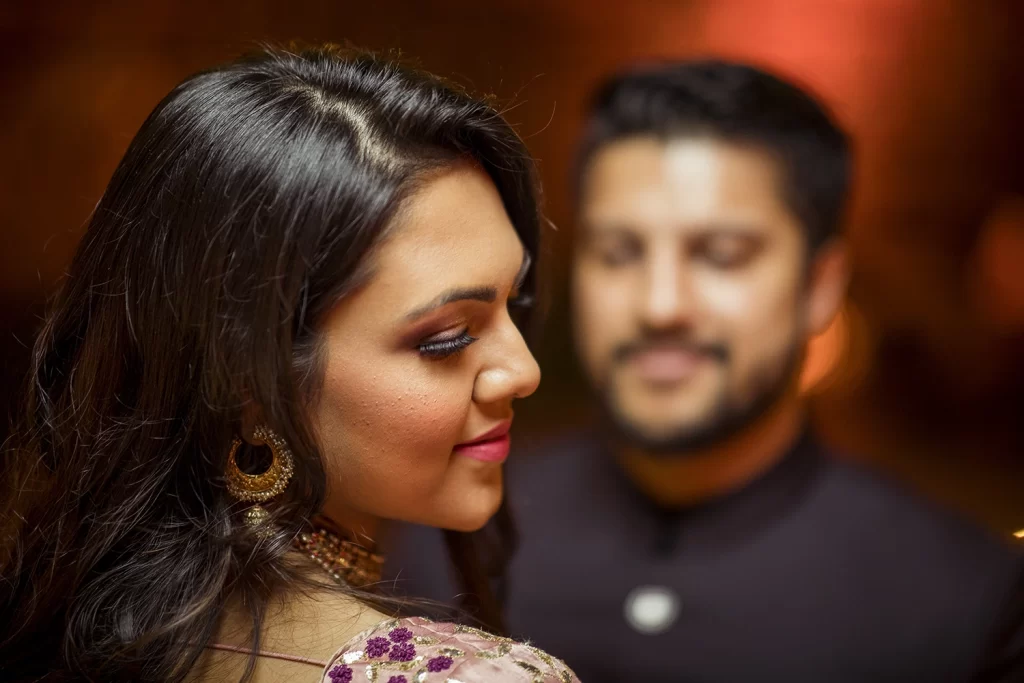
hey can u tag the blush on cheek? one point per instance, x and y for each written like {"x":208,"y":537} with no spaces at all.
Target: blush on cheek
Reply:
{"x":418,"y":424}
{"x":388,"y":438}
{"x":387,"y":419}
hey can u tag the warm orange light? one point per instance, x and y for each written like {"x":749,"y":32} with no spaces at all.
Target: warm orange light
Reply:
{"x":998,"y":285}
{"x":825,"y":351}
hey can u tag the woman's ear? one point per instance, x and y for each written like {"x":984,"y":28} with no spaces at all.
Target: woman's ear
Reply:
{"x":252,"y":415}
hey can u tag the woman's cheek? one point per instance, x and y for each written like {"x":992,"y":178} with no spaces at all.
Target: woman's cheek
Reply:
{"x":399,"y":426}
{"x":422,"y":421}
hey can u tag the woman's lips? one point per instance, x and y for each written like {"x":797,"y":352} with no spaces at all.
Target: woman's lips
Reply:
{"x":493,"y":446}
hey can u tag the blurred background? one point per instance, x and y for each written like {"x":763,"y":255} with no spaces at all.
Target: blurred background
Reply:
{"x":923,"y":373}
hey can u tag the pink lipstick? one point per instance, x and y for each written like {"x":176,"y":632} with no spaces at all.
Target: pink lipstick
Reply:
{"x":492,"y":446}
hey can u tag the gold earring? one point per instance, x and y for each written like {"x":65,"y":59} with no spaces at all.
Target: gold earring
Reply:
{"x":260,"y":488}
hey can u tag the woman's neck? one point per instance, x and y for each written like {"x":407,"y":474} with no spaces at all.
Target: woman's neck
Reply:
{"x":351,"y":524}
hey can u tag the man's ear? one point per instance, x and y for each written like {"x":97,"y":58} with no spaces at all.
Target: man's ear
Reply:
{"x":828,"y":279}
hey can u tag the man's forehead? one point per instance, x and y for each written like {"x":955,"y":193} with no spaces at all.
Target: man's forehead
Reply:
{"x":680,"y":185}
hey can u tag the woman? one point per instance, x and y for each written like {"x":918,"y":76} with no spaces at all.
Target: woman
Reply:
{"x":294,"y":302}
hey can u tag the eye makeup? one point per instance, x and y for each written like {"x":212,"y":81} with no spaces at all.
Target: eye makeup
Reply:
{"x":446,"y":347}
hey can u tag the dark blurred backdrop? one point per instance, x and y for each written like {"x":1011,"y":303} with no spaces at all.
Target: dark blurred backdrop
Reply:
{"x":924,"y":372}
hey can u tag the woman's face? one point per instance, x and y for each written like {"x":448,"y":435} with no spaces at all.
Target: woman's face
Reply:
{"x":423,"y":363}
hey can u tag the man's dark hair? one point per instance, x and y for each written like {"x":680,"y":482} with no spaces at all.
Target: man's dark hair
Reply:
{"x":739,"y":104}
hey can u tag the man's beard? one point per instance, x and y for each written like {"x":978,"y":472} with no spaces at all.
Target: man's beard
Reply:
{"x":730,"y":415}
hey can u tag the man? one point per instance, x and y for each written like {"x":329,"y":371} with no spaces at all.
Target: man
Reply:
{"x":702,"y":534}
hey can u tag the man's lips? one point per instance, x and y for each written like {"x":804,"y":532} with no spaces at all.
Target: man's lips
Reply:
{"x":666,"y":365}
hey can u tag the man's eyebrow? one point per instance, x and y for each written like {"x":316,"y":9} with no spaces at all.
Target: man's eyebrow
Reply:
{"x":606,"y":228}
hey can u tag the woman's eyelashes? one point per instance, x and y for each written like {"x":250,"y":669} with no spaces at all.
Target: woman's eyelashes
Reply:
{"x":446,"y":346}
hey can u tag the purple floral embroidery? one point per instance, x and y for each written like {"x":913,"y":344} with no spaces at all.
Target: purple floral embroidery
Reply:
{"x":377,"y":647}
{"x":402,"y":652}
{"x":400,"y":635}
{"x":340,"y":674}
{"x":398,"y":679}
{"x":442,"y":663}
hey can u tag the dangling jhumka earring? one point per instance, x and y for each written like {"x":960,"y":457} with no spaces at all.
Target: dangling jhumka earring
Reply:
{"x":260,"y":488}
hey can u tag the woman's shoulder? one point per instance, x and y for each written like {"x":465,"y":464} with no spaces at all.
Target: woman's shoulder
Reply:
{"x":418,"y":650}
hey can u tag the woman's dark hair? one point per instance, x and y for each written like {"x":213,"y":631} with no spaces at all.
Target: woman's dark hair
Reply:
{"x":739,"y":104}
{"x":244,"y":209}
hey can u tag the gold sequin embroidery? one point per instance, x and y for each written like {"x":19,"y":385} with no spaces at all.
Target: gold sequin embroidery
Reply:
{"x":541,"y":655}
{"x":502,"y":650}
{"x":538,"y":675}
{"x":419,"y":669}
{"x":374,"y":670}
{"x":482,"y":634}
{"x":425,"y":640}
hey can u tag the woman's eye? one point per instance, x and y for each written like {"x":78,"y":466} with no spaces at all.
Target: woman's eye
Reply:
{"x":445,"y":347}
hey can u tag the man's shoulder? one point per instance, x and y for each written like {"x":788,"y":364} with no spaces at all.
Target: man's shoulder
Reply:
{"x":867,"y":494}
{"x":867,"y":511}
{"x":913,"y":561}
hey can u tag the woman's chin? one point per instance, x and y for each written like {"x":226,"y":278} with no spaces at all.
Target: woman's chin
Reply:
{"x":469,"y":526}
{"x":476,"y":511}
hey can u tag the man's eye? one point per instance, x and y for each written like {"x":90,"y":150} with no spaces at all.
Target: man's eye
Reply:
{"x":619,"y":254}
{"x":729,"y":254}
{"x":446,"y":347}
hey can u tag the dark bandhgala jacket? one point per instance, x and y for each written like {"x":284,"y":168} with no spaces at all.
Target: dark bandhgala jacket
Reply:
{"x":820,"y":571}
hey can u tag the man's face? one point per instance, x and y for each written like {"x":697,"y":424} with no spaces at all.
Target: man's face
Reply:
{"x":689,"y":287}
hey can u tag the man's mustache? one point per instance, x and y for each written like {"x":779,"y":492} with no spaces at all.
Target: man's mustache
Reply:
{"x":717,"y":352}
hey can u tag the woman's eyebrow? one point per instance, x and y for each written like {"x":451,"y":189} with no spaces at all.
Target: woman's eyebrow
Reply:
{"x":485,"y":294}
